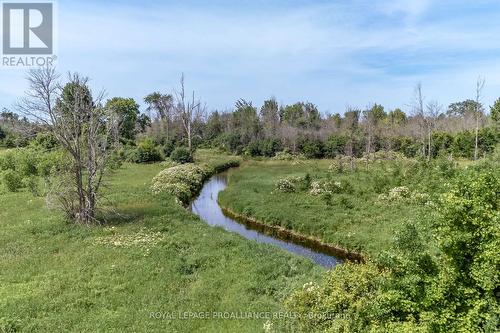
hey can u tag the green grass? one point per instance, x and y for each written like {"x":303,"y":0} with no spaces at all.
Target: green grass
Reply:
{"x":355,"y":221}
{"x":56,"y":276}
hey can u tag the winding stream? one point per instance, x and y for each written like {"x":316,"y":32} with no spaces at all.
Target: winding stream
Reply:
{"x":208,"y":209}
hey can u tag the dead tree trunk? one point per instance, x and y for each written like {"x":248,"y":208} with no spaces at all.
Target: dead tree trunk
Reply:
{"x":479,"y":88}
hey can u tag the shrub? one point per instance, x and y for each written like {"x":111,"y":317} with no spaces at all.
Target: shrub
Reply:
{"x":338,"y":186}
{"x":399,"y":192}
{"x":326,"y":197}
{"x":335,"y":146}
{"x":285,"y":185}
{"x":387,"y":155}
{"x":45,"y":141}
{"x":182,"y":181}
{"x":337,"y":166}
{"x":129,"y":154}
{"x":289,"y":184}
{"x":32,"y":184}
{"x":403,"y":193}
{"x":467,"y":229}
{"x":12,"y":180}
{"x":269,"y":147}
{"x":181,"y":191}
{"x":306,"y":182}
{"x":331,"y":187}
{"x":342,"y":162}
{"x":168,"y":148}
{"x":446,"y":167}
{"x":346,"y":294}
{"x":283,"y":156}
{"x":311,"y":148}
{"x":7,"y":160}
{"x":52,"y":162}
{"x":230,"y":142}
{"x":27,"y":160}
{"x":316,"y":188}
{"x":23,"y":160}
{"x":253,"y":149}
{"x":181,"y":155}
{"x":168,"y":163}
{"x":148,"y":151}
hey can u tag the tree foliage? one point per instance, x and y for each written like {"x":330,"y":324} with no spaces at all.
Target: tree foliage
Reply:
{"x":414,"y":289}
{"x":127,"y":112}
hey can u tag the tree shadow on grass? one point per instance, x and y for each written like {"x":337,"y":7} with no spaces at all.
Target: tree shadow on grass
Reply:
{"x":129,"y":213}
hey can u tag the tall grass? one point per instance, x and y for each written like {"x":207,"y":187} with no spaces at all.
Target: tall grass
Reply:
{"x":351,"y":213}
{"x":152,"y":256}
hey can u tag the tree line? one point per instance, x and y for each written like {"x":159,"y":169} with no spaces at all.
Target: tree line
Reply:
{"x":465,"y":129}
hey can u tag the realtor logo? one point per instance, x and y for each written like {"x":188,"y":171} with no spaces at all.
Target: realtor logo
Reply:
{"x":28,"y":34}
{"x":27,"y":28}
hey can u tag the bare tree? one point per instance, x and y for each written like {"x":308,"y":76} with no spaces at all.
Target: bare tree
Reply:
{"x":369,"y":123}
{"x":478,"y":111}
{"x":433,"y":109}
{"x":188,"y":110}
{"x":418,"y":113}
{"x":85,"y":130}
{"x":350,"y":126}
{"x":372,"y":117}
{"x":289,"y":136}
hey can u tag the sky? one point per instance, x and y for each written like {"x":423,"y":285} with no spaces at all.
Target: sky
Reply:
{"x":331,"y":53}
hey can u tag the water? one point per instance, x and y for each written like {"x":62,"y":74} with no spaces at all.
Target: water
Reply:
{"x":208,"y":209}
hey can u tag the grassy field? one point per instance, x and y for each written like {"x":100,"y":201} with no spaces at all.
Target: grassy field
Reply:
{"x":355,"y":220}
{"x":154,"y":257}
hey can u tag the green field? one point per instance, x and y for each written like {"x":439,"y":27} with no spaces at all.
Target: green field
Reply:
{"x":152,"y":256}
{"x":354,"y":219}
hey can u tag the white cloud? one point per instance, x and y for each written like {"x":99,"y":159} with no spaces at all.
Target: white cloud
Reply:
{"x":332,"y":54}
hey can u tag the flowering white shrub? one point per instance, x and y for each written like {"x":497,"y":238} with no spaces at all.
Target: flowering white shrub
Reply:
{"x":388,"y":155}
{"x":310,"y":287}
{"x":399,"y":192}
{"x":268,"y":326}
{"x":337,"y":166}
{"x":403,"y":193}
{"x":285,"y":185}
{"x":180,"y":190}
{"x":334,"y":186}
{"x":182,"y":181}
{"x":316,"y":188}
{"x":420,"y":198}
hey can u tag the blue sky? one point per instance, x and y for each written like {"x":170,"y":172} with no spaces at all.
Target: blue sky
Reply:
{"x":331,"y":53}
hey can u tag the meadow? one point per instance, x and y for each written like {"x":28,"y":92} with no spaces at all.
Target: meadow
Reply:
{"x":353,"y":214}
{"x":151,"y":265}
{"x":151,"y":256}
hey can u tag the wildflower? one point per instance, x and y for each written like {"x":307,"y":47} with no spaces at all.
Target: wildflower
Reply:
{"x":403,"y":193}
{"x":316,"y":188}
{"x":268,"y":326}
{"x":310,"y":287}
{"x":287,"y":184}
